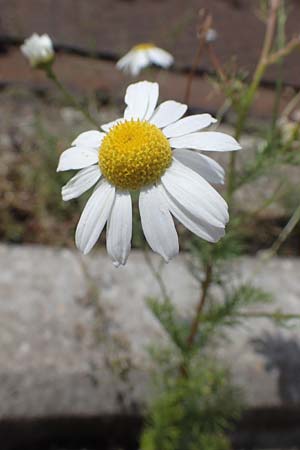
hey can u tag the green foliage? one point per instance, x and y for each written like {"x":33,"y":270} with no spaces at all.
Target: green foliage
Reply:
{"x":195,"y":404}
{"x":192,"y":412}
{"x":203,"y":253}
{"x":229,"y":247}
{"x":167,"y":316}
{"x":218,"y":314}
{"x":235,"y":301}
{"x":229,"y":312}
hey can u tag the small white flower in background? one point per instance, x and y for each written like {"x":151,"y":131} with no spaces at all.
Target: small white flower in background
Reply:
{"x":211,"y":35}
{"x":38,"y":50}
{"x":154,"y":150}
{"x":143,"y":55}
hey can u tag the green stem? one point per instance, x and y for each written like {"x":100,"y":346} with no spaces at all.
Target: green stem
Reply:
{"x":69,"y":97}
{"x":250,"y":94}
{"x":272,"y":251}
{"x":242,"y":116}
{"x":197,"y":318}
{"x":291,"y":105}
{"x":284,"y":234}
{"x":268,"y":315}
{"x":194,"y":328}
{"x":268,"y":202}
{"x":279,"y":82}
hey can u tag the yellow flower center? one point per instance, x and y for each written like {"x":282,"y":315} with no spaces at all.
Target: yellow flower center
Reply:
{"x":144,"y":46}
{"x":134,"y":154}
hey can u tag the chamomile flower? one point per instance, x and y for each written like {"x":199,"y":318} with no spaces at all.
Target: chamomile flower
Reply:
{"x":38,"y":50}
{"x":157,"y":152}
{"x":143,"y":55}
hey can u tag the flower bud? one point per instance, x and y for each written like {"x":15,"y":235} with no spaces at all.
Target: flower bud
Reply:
{"x":38,"y":50}
{"x":211,"y":35}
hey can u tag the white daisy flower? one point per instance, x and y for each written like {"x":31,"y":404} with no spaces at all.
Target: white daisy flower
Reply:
{"x":38,"y":50}
{"x":157,"y":152}
{"x":143,"y":55}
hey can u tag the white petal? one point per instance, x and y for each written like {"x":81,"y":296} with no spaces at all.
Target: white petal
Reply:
{"x":193,"y":193}
{"x":202,"y":164}
{"x":124,"y":61}
{"x":189,"y":125}
{"x":129,"y":64}
{"x":94,"y":216}
{"x":140,"y":61}
{"x":84,"y":180}
{"x":196,"y":225}
{"x":160,"y":57}
{"x":107,"y":126}
{"x":119,"y":228}
{"x":137,"y":63}
{"x":90,"y":138}
{"x":38,"y":49}
{"x":152,"y":100}
{"x":158,"y":225}
{"x":167,"y":113}
{"x":134,"y":68}
{"x":206,"y":141}
{"x":45,"y":41}
{"x":77,"y":158}
{"x":141,"y":99}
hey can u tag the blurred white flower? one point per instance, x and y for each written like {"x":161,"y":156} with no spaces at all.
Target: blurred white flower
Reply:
{"x":143,"y":55}
{"x":211,"y":35}
{"x":155,"y":151}
{"x":38,"y":50}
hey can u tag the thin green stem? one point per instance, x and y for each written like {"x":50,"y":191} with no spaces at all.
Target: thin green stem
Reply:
{"x":242,"y":116}
{"x":197,"y":318}
{"x":290,"y":47}
{"x":284,"y":234}
{"x":183,"y":368}
{"x":250,"y":94}
{"x":277,"y":315}
{"x":291,"y":105}
{"x":69,"y":97}
{"x":270,"y":30}
{"x":279,"y":82}
{"x":268,"y":202}
{"x":273,"y":250}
